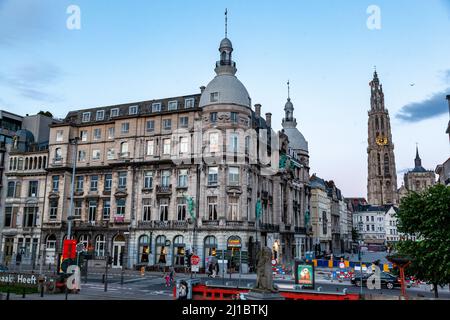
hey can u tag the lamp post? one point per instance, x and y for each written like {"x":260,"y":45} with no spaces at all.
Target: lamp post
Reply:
{"x":73,"y":141}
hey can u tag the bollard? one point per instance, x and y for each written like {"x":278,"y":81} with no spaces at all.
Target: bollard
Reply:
{"x":23,"y":293}
{"x":67,"y":293}
{"x":42,"y":290}
{"x":103,"y":278}
{"x":7,"y":294}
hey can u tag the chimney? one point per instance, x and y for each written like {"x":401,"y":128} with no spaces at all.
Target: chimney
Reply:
{"x":258,"y":110}
{"x":202,"y":88}
{"x":269,"y":119}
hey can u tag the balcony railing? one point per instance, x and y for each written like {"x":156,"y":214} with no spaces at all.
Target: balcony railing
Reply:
{"x":164,"y":189}
{"x":210,"y":223}
{"x":57,"y":161}
{"x":225,"y":63}
{"x":300,"y":230}
{"x":235,"y":223}
{"x":270,"y":227}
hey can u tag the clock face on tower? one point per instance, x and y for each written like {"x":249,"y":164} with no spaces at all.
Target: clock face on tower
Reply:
{"x":382,"y":141}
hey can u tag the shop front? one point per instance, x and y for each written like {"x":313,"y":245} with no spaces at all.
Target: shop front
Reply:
{"x":179,"y":252}
{"x":210,"y":248}
{"x":234,"y":247}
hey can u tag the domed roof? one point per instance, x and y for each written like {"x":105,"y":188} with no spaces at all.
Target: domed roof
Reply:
{"x":288,"y":105}
{"x":230,"y":89}
{"x":296,"y":139}
{"x":225,"y":43}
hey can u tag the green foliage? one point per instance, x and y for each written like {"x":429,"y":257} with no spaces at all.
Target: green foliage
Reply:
{"x":355,"y":234}
{"x":427,"y":215}
{"x":17,"y":289}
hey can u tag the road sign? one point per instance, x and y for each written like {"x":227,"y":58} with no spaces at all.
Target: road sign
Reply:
{"x":195,"y":261}
{"x":342,"y":265}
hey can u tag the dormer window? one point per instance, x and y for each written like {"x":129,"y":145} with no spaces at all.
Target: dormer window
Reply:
{"x":156,"y":107}
{"x":214,"y":97}
{"x":173,"y":105}
{"x":100,"y":115}
{"x":133,"y":110}
{"x":189,"y":103}
{"x":114,"y":112}
{"x":86,"y":117}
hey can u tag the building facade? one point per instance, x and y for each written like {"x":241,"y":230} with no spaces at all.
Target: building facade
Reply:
{"x":158,"y":179}
{"x":370,"y":223}
{"x":320,"y":215}
{"x":382,"y":175}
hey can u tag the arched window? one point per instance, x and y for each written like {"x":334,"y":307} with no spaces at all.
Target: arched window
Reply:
{"x":26,"y":163}
{"x":386,"y":164}
{"x":84,"y":239}
{"x":40,"y":163}
{"x":379,"y":163}
{"x":382,"y":124}
{"x":50,"y":244}
{"x":178,"y":251}
{"x":123,"y":148}
{"x":45,"y":162}
{"x":377,"y":125}
{"x":144,"y":248}
{"x":100,"y":246}
{"x":35,"y":163}
{"x":58,"y":154}
{"x":210,"y":246}
{"x":161,"y":251}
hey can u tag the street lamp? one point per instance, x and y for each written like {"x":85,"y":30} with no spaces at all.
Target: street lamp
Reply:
{"x":73,"y":141}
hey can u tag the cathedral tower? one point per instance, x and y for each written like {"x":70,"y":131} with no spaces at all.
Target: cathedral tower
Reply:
{"x":382,"y":176}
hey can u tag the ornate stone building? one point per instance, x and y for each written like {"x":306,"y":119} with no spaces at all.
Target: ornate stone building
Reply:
{"x":417,"y":179}
{"x":140,"y":167}
{"x":382,"y":175}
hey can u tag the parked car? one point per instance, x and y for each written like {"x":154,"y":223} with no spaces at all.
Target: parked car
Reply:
{"x":387,"y":280}
{"x":3,"y":268}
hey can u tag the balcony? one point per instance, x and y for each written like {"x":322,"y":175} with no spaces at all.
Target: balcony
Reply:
{"x":57,"y":161}
{"x":157,"y":224}
{"x":225,"y":63}
{"x":119,"y":219}
{"x":269,"y":227}
{"x":300,"y":230}
{"x":145,"y":224}
{"x":164,"y":190}
{"x":124,"y":155}
{"x":210,"y":223}
{"x":235,"y":223}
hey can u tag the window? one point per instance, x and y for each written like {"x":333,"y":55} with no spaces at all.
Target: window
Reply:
{"x":373,"y":228}
{"x":166,"y":146}
{"x":233,"y":175}
{"x":386,"y":164}
{"x":189,"y":103}
{"x":367,"y":218}
{"x":214,"y":142}
{"x":184,"y":122}
{"x":212,"y":175}
{"x":372,"y":218}
{"x":122,"y":179}
{"x":55,"y":183}
{"x":51,"y":242}
{"x":150,"y":147}
{"x":92,"y":211}
{"x":79,"y":183}
{"x":165,"y":178}
{"x":156,"y":107}
{"x":33,"y":188}
{"x":11,"y":189}
{"x":234,"y":142}
{"x":106,"y":209}
{"x":150,"y":125}
{"x":111,"y":132}
{"x":324,"y":222}
{"x":78,"y":205}
{"x":29,"y":218}
{"x":367,"y":228}
{"x":234,"y":117}
{"x":114,"y":112}
{"x":184,"y":145}
{"x":100,"y":244}
{"x":94,"y":183}
{"x":8,"y":217}
{"x":81,"y":155}
{"x":120,"y":205}
{"x":53,"y":209}
{"x":59,"y":135}
{"x":125,"y":128}
{"x":148,"y":180}
{"x":97,"y":134}
{"x":213,"y":117}
{"x":83,"y":135}
{"x":212,"y":208}
{"x":173,"y":105}
{"x":133,"y":110}
{"x":233,"y":205}
{"x":182,"y":178}
{"x":108,"y":182}
{"x":58,"y":154}
{"x":124,"y":149}
{"x":181,"y":209}
{"x":110,"y":154}
{"x":95,"y":154}
{"x":167,"y":124}
{"x":214,"y":97}
{"x":146,"y":210}
{"x":164,"y":209}
{"x":86,"y":117}
{"x":100,"y":115}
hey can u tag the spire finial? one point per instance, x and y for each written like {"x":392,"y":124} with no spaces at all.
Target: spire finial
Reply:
{"x":226,"y":22}
{"x":289,"y":90}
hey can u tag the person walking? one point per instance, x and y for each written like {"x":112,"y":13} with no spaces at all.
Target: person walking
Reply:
{"x":172,"y":274}
{"x":167,"y":278}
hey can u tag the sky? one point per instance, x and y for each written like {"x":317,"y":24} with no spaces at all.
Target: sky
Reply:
{"x":126,"y":51}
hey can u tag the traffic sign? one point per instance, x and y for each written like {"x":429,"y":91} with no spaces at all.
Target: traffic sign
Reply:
{"x":195,"y":261}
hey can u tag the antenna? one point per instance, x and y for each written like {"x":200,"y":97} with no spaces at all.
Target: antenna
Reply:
{"x":226,"y":22}
{"x":289,"y":90}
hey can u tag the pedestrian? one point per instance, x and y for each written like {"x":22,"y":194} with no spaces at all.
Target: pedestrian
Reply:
{"x":172,"y":274}
{"x":167,"y":278}
{"x":210,"y":269}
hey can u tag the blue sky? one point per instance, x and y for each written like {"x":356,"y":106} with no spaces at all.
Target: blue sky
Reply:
{"x":136,"y":50}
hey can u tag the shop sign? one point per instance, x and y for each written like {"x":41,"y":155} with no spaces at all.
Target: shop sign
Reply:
{"x":234,"y":242}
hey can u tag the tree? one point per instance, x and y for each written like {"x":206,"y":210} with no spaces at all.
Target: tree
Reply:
{"x":427,"y":216}
{"x":46,"y":113}
{"x":355,"y":234}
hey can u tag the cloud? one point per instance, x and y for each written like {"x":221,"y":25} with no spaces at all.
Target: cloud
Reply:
{"x":30,"y":81}
{"x":434,"y":106}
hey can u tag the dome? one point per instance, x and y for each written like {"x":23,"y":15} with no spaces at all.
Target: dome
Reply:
{"x":296,"y":139}
{"x":226,"y":43}
{"x":230,"y":91}
{"x":288,"y":105}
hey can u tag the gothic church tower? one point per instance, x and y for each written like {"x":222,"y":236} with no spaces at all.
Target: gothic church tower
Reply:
{"x":382,"y":176}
